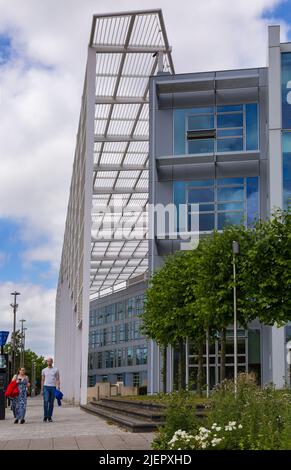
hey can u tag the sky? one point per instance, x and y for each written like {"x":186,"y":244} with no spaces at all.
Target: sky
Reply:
{"x":43,"y":49}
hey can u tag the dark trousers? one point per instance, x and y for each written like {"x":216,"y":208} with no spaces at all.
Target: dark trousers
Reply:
{"x":48,"y":401}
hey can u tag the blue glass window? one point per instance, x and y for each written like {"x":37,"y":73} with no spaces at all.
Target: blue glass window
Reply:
{"x":201,"y":146}
{"x":179,"y":132}
{"x":286,"y":149}
{"x":179,"y":198}
{"x":286,"y":89}
{"x":230,"y":120}
{"x":206,"y":222}
{"x":200,"y":195}
{"x":200,"y":122}
{"x":230,"y":132}
{"x":229,"y":108}
{"x":251,"y":126}
{"x":221,"y":202}
{"x":231,"y":206}
{"x":234,"y":122}
{"x":201,"y":183}
{"x":230,"y":194}
{"x":204,"y":207}
{"x":229,"y":218}
{"x":231,"y":144}
{"x":226,"y":181}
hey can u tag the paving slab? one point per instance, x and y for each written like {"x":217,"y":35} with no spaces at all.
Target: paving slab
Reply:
{"x":72,"y":429}
{"x":65,"y":443}
{"x":41,"y":444}
{"x":89,"y":443}
{"x":17,"y":444}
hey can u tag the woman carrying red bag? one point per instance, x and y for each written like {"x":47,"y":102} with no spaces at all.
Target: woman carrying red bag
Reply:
{"x":17,"y":391}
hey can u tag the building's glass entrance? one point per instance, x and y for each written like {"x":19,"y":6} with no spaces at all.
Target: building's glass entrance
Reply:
{"x":249,"y":358}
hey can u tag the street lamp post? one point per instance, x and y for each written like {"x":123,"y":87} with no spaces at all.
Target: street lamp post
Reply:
{"x":22,"y":343}
{"x":14,"y":306}
{"x":235,"y":251}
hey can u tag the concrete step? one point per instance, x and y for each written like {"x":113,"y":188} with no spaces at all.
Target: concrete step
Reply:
{"x":156,"y":414}
{"x":141,"y":404}
{"x":131,"y":423}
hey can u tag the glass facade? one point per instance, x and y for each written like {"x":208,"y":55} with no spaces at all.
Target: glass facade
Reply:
{"x":248,"y":348}
{"x":286,"y":126}
{"x":116,"y":342}
{"x":231,"y":128}
{"x":222,"y":202}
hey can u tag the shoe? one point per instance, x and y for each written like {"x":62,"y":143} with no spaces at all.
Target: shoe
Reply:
{"x":50,"y":420}
{"x":22,"y":421}
{"x":44,"y":420}
{"x":16,"y":421}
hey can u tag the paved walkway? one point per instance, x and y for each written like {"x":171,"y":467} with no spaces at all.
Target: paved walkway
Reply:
{"x":72,"y":429}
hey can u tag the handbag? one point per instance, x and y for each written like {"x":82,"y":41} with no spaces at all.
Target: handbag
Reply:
{"x":12,"y":390}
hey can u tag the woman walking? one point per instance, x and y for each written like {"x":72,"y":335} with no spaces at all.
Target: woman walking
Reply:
{"x":19,"y":403}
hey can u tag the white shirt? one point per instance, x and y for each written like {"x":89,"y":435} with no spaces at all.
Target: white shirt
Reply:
{"x":51,"y":375}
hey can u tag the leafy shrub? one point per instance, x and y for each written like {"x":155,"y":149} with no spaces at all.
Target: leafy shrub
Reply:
{"x":180,"y":414}
{"x":251,"y":419}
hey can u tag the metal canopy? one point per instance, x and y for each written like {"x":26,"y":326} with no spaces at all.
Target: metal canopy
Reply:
{"x":130,"y":47}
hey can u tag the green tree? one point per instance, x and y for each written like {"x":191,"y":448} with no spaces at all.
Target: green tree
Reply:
{"x":266,"y":273}
{"x":214,"y":283}
{"x":167,"y":316}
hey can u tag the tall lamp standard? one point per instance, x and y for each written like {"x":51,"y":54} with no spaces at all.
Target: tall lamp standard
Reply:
{"x":14,"y":306}
{"x":22,"y":343}
{"x":235,"y":251}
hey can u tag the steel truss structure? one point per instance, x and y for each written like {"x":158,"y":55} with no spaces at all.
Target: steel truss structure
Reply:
{"x":105,"y":241}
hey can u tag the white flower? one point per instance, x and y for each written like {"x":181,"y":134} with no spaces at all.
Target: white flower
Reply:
{"x":218,"y":428}
{"x":215,"y":441}
{"x":239,"y":426}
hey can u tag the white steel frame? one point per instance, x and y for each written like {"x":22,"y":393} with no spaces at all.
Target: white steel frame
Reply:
{"x":110,"y":168}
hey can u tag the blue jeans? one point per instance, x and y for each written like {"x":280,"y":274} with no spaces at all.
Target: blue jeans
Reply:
{"x":48,"y":401}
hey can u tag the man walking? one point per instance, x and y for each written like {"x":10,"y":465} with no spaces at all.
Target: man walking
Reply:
{"x":50,"y":380}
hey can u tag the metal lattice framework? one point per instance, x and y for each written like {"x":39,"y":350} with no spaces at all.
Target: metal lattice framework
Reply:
{"x":130,"y":47}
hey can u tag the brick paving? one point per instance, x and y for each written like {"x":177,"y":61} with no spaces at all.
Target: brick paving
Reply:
{"x":72,"y":429}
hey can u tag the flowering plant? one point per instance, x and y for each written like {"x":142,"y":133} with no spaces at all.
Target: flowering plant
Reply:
{"x":217,"y":437}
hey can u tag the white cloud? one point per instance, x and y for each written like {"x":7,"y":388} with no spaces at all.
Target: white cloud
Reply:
{"x":36,"y":306}
{"x":41,"y":93}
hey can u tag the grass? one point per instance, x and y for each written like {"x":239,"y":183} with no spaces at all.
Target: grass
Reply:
{"x":162,"y":398}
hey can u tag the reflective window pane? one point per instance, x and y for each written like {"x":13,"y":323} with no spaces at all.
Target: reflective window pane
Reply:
{"x":230,"y":194}
{"x":286,"y":148}
{"x":200,"y":122}
{"x":229,"y":132}
{"x":200,"y":195}
{"x":252,"y":200}
{"x":204,"y":207}
{"x":201,"y":146}
{"x":179,"y":132}
{"x":230,"y":120}
{"x":206,"y":222}
{"x":231,"y":206}
{"x":229,"y":108}
{"x":225,"y":181}
{"x":201,"y":183}
{"x":207,"y":110}
{"x":285,"y":78}
{"x":251,"y":126}
{"x":229,"y":218}
{"x":228,"y":145}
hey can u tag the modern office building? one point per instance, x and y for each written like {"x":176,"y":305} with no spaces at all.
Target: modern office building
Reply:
{"x":221,"y":140}
{"x":226,"y":159}
{"x":117,"y":348}
{"x":105,"y":241}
